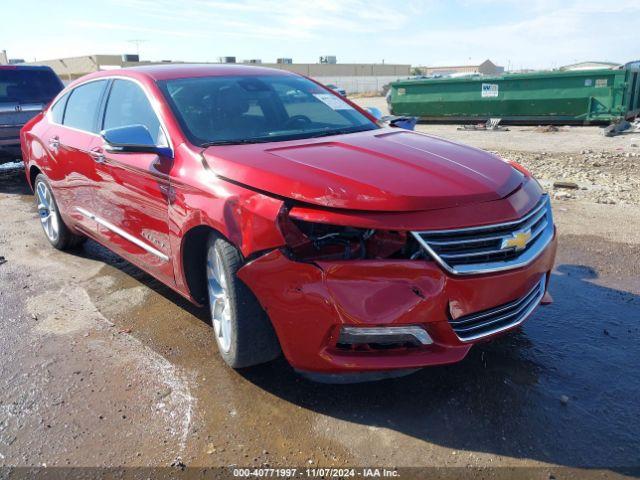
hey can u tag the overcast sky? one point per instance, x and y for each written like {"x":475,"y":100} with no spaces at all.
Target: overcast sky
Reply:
{"x":529,"y":34}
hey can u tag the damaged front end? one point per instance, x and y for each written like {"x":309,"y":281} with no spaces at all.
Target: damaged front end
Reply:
{"x":357,"y":299}
{"x":310,"y":302}
{"x":313,"y":241}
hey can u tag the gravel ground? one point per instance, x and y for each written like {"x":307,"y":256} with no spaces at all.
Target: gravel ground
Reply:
{"x":593,"y":167}
{"x":600,"y":177}
{"x":102,"y":366}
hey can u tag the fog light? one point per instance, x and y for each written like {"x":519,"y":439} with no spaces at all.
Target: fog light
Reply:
{"x":412,"y":334}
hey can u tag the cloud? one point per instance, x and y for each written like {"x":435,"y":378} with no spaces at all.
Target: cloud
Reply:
{"x":535,"y":33}
{"x":276,"y":18}
{"x":132,"y":28}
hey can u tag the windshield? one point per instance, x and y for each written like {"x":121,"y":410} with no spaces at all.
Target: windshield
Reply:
{"x":251,"y":109}
{"x":28,"y":86}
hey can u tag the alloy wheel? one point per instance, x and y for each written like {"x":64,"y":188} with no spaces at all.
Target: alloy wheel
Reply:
{"x":47,"y":212}
{"x":219,"y":300}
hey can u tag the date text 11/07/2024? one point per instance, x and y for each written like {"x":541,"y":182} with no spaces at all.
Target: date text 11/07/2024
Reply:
{"x":315,"y":472}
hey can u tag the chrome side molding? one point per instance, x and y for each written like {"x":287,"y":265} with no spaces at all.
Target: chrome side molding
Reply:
{"x":123,"y":234}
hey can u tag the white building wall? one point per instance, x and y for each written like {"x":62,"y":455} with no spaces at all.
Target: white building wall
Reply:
{"x":360,"y":84}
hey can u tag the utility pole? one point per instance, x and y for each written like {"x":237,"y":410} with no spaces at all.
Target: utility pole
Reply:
{"x":137,"y":42}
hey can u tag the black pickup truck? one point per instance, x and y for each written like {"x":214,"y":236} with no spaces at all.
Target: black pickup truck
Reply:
{"x":24,"y":91}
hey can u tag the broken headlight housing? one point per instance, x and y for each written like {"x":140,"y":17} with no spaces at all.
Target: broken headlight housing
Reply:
{"x":310,"y":241}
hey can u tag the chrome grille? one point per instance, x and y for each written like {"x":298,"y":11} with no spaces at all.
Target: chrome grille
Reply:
{"x":503,"y":317}
{"x":491,"y":248}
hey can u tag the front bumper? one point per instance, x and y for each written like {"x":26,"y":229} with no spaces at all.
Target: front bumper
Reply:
{"x":309,"y":303}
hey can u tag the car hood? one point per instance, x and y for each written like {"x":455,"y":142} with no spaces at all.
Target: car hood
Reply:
{"x":381,"y":170}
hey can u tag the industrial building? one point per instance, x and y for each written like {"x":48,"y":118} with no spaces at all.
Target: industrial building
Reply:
{"x":5,"y":60}
{"x":590,"y":65}
{"x":353,"y":77}
{"x":485,"y":68}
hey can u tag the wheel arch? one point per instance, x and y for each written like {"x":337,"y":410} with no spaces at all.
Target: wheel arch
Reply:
{"x":193,"y":257}
{"x":34,"y":171}
{"x":249,"y":225}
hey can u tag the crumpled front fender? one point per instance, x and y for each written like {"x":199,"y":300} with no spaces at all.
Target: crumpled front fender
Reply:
{"x":308,"y":302}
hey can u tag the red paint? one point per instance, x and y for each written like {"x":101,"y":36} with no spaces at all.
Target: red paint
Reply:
{"x":381,"y":170}
{"x":306,"y":304}
{"x":384,"y":179}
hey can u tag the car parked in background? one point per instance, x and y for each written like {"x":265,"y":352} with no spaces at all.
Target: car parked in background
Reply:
{"x":24,"y":92}
{"x":341,"y":91}
{"x":305,"y":226}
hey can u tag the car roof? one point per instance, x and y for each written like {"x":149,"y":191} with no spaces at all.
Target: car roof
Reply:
{"x":25,"y":67}
{"x":174,"y":71}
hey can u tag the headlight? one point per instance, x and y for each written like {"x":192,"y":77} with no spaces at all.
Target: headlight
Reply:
{"x":310,"y":241}
{"x":522,"y":170}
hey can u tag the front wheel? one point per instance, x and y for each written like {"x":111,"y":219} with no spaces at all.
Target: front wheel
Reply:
{"x":56,"y":231}
{"x":242,"y":329}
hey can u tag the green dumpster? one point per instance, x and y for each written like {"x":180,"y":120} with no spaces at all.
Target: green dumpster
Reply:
{"x":567,"y":97}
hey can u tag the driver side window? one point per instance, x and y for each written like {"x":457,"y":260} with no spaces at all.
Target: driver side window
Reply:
{"x":128,"y":105}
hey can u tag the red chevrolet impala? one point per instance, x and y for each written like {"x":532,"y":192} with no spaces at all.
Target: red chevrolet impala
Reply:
{"x":356,"y":250}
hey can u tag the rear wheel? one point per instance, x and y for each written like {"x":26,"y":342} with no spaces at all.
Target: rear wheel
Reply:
{"x":54,"y":227}
{"x":243,"y":332}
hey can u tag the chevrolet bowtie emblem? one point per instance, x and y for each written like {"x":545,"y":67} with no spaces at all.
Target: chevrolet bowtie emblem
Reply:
{"x":518,"y":240}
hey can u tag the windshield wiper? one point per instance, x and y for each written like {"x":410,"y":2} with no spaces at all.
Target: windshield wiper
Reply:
{"x":300,"y":136}
{"x":342,"y":131}
{"x":238,"y":141}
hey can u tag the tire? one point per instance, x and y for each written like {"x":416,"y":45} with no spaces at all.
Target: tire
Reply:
{"x":56,"y":231}
{"x":242,"y":329}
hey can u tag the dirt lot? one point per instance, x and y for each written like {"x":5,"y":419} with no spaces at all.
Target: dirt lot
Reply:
{"x":102,"y":366}
{"x":599,"y":169}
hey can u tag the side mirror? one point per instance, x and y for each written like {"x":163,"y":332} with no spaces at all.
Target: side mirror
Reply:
{"x":132,"y":139}
{"x":375,"y":112}
{"x":408,"y":123}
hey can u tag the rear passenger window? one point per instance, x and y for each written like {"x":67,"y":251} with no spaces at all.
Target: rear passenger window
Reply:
{"x":128,"y":105}
{"x":82,"y":106}
{"x":57,"y":111}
